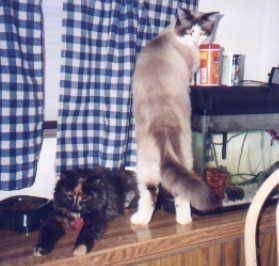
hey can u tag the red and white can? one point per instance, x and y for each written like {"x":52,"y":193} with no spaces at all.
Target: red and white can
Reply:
{"x":210,"y":65}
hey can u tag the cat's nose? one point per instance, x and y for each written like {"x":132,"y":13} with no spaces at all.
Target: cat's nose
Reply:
{"x":77,"y":203}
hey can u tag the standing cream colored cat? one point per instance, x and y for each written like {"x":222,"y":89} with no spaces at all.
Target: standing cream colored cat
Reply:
{"x":162,"y":111}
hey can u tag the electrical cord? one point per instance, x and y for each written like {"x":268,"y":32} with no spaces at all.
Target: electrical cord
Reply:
{"x":241,"y":151}
{"x":229,"y":139}
{"x":213,"y":150}
{"x":253,"y":177}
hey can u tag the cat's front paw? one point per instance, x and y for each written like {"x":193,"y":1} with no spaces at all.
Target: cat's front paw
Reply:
{"x":183,"y":219}
{"x":40,"y":251}
{"x":80,"y":250}
{"x":183,"y":211}
{"x":140,"y":218}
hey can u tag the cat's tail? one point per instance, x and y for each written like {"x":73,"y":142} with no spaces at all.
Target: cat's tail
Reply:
{"x":179,"y":181}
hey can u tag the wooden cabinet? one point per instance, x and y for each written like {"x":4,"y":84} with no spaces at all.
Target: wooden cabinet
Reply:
{"x":210,"y":240}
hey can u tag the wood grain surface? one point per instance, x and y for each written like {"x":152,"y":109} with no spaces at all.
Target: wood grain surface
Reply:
{"x":210,"y":240}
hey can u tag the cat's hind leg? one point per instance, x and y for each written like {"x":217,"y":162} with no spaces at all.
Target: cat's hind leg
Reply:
{"x":148,"y":178}
{"x":182,"y":210}
{"x":148,"y":193}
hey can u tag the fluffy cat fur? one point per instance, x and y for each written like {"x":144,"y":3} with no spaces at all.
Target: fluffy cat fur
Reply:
{"x":96,"y":196}
{"x":162,"y":111}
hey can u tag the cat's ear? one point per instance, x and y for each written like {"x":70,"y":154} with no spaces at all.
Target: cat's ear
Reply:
{"x":63,"y":175}
{"x":184,"y":21}
{"x":184,"y":17}
{"x":61,"y":181}
{"x":185,"y":13}
{"x":95,"y":182}
{"x":208,"y":21}
{"x":211,"y":16}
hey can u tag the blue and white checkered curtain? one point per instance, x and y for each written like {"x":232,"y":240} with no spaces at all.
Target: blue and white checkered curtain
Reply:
{"x":101,"y":40}
{"x":21,"y":91}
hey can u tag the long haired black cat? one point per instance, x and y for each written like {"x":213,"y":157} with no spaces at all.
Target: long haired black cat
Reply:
{"x":96,"y":196}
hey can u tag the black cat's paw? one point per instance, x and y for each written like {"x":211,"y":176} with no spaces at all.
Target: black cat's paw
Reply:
{"x":80,"y":250}
{"x":40,"y":251}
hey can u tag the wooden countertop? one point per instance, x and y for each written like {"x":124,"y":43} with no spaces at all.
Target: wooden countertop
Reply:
{"x":124,"y":244}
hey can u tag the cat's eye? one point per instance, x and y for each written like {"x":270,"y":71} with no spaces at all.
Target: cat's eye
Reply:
{"x":86,"y":197}
{"x":190,"y":31}
{"x":69,"y":194}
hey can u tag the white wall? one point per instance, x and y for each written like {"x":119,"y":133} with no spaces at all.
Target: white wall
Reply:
{"x":249,"y":27}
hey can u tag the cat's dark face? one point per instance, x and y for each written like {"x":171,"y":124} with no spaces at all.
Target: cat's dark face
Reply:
{"x":79,"y":191}
{"x":196,"y":27}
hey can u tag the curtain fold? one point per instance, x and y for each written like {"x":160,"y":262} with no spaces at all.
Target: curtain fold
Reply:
{"x":21,"y":91}
{"x":100,"y":42}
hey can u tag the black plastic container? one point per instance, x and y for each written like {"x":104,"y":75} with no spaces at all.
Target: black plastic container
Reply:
{"x":23,"y":214}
